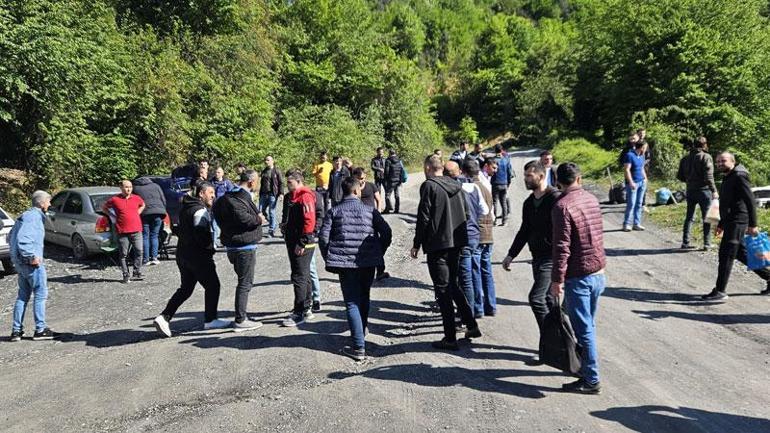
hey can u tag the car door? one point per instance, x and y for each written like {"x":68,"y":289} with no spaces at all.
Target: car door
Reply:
{"x":52,"y":222}
{"x":70,"y":217}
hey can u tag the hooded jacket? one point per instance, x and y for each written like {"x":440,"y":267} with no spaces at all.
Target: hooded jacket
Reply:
{"x":697,"y":170}
{"x":736,"y":200}
{"x":238,"y":219}
{"x":393,"y":169}
{"x":152,"y":194}
{"x":442,"y":215}
{"x":194,"y":231}
{"x":301,"y":217}
{"x":353,"y":236}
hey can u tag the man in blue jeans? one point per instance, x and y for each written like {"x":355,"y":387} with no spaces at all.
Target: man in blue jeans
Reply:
{"x":26,"y":245}
{"x":270,"y":190}
{"x":636,"y":186}
{"x":152,"y":217}
{"x":578,"y":268}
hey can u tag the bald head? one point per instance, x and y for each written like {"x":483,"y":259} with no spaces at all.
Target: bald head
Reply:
{"x":452,"y":169}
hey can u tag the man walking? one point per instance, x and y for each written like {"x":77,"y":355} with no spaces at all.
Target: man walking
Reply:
{"x":500,"y":182}
{"x":339,"y":172}
{"x":636,"y":187}
{"x":485,"y":302}
{"x":578,"y":268}
{"x":378,"y":168}
{"x":370,"y":196}
{"x":546,"y":158}
{"x":394,"y":174}
{"x":221,"y":186}
{"x":536,"y":231}
{"x":270,"y":190}
{"x":195,"y":260}
{"x":128,"y":223}
{"x":321,"y":171}
{"x":240,"y":221}
{"x":458,"y":156}
{"x":152,"y":217}
{"x":26,"y":242}
{"x":697,"y":170}
{"x":441,"y":231}
{"x":738,"y":217}
{"x":353,"y":241}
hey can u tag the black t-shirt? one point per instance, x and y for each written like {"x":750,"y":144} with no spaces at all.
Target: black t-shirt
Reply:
{"x":266,"y":181}
{"x":367,"y":194}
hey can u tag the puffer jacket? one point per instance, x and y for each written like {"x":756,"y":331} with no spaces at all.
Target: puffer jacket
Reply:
{"x":238,"y":219}
{"x":486,"y":222}
{"x":152,"y":194}
{"x":578,"y":235}
{"x":697,"y":170}
{"x":353,"y":235}
{"x":393,"y":169}
{"x":737,"y":204}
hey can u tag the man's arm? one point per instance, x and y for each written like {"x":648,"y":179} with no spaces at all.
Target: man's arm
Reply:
{"x":562,"y":235}
{"x":521,"y":236}
{"x":308,"y":220}
{"x":27,"y":237}
{"x":323,"y":236}
{"x":745,"y":194}
{"x":423,"y":217}
{"x":629,"y":178}
{"x":710,"y":175}
{"x":382,"y":229}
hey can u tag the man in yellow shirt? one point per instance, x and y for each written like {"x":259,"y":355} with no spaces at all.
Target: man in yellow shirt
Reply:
{"x":321,"y":171}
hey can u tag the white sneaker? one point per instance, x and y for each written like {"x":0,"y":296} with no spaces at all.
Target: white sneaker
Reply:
{"x":217,"y":324}
{"x":639,"y":228}
{"x":162,"y":326}
{"x":626,"y":228}
{"x":293,"y":320}
{"x":246,"y":325}
{"x":156,"y":261}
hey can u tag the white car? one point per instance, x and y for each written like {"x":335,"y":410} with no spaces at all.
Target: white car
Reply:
{"x":5,"y":249}
{"x":762,"y":196}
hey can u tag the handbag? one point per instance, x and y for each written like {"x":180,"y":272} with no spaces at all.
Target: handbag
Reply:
{"x":757,"y":251}
{"x":712,"y":216}
{"x":558,"y":346}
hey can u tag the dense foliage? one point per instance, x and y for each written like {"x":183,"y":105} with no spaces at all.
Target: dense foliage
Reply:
{"x":94,"y":91}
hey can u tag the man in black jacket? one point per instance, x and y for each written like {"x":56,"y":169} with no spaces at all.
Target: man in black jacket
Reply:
{"x":697,"y":170}
{"x":195,"y":260}
{"x":240,"y":221}
{"x":338,"y":174}
{"x":537,"y":231}
{"x":393,"y":174}
{"x":378,"y":168}
{"x":441,"y":232}
{"x":152,"y":217}
{"x":270,"y":190}
{"x":738,"y":217}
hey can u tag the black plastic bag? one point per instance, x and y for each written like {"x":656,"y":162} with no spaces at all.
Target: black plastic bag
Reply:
{"x":558,"y":345}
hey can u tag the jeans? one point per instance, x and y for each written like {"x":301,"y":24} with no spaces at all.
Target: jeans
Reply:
{"x":540,"y":297}
{"x":701,"y":198}
{"x":392,"y":188}
{"x":470,"y":278}
{"x":316,"y":283}
{"x":325,"y":195}
{"x":581,"y":296}
{"x":151,"y":225}
{"x":191,"y":273}
{"x":267,"y":203}
{"x":634,"y":199}
{"x":443,"y":266}
{"x":243,"y":262}
{"x":300,"y":277}
{"x":732,"y":248}
{"x":500,"y":195}
{"x":130,"y":241}
{"x":487,"y":281}
{"x":216,"y":232}
{"x":356,"y":285}
{"x":32,"y":280}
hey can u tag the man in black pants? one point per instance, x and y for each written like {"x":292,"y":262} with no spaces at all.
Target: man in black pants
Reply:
{"x":697,"y":170}
{"x":240,"y":221}
{"x":738,"y":217}
{"x":441,"y":232}
{"x":536,"y":230}
{"x":378,"y":168}
{"x":195,"y":260}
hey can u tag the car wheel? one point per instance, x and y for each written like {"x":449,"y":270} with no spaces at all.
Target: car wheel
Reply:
{"x":79,"y":248}
{"x":8,"y":267}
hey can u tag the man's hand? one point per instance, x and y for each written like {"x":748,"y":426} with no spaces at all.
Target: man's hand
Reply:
{"x":507,"y":263}
{"x":632,"y":185}
{"x":753,"y":231}
{"x":718,"y":232}
{"x":414,"y":252}
{"x":716,"y":195}
{"x":35,"y":262}
{"x":299,"y":251}
{"x":557,"y":289}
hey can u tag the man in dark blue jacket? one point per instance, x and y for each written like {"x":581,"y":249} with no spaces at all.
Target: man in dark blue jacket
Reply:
{"x":500,"y":182}
{"x":353,"y":241}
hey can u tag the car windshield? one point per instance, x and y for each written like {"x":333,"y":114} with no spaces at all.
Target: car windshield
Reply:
{"x":3,"y":215}
{"x":98,"y":200}
{"x":762,"y":193}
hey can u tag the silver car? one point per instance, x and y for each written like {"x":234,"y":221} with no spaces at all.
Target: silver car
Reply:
{"x":762,"y":196}
{"x":72,"y":220}
{"x":6,"y":224}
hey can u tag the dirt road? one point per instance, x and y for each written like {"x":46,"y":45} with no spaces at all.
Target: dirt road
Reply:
{"x":669,"y":363}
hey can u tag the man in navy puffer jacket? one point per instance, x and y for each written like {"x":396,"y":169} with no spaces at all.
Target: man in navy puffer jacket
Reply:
{"x":353,"y":241}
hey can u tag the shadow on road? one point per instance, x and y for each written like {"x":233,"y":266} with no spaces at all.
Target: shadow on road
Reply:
{"x":639,"y":295}
{"x":719,"y":319}
{"x":649,"y":419}
{"x":621,"y":252}
{"x":78,"y":279}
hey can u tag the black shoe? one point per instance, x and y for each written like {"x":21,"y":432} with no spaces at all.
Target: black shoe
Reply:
{"x":687,"y":246}
{"x":316,"y":306}
{"x":126,"y":279}
{"x":581,"y":387}
{"x":138,"y":276}
{"x":355,"y":354}
{"x":459,"y":327}
{"x":473,"y":333}
{"x":386,"y":211}
{"x":16,"y":335}
{"x":443,"y":344}
{"x":534,"y":362}
{"x":490,"y":313}
{"x":45,"y":334}
{"x":715,"y":295}
{"x":382,"y":276}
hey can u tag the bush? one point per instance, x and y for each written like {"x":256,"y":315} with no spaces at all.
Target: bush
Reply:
{"x":591,"y":158}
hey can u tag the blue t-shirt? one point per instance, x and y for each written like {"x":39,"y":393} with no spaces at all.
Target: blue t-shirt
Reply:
{"x":637,"y":165}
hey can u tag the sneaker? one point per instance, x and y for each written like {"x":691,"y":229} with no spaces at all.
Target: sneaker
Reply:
{"x":217,"y":324}
{"x":492,"y":313}
{"x":162,"y":325}
{"x":639,"y":228}
{"x":445,"y":344}
{"x":269,"y":235}
{"x":626,"y":228}
{"x":138,"y":276}
{"x":293,"y":320}
{"x":308,"y":314}
{"x":767,"y":290}
{"x":152,"y":262}
{"x":460,"y":327}
{"x":687,"y":247}
{"x":581,"y":387}
{"x":504,"y":223}
{"x":382,"y":276}
{"x":246,"y":325}
{"x":715,"y":296}
{"x":155,"y":261}
{"x":708,"y":247}
{"x":316,"y":308}
{"x":473,"y":333}
{"x":355,"y":354}
{"x":16,"y":335}
{"x":646,"y":209}
{"x":45,"y":334}
{"x":126,"y":279}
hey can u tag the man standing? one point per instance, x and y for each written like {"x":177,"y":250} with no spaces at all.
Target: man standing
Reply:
{"x":353,"y":241}
{"x":370,"y":196}
{"x":321,"y":171}
{"x":240,"y":221}
{"x":477,"y":155}
{"x":636,"y":187}
{"x":738,"y":217}
{"x":26,"y":241}
{"x":488,"y":171}
{"x":546,"y":158}
{"x":128,"y":223}
{"x":195,"y":260}
{"x":394,"y":174}
{"x":459,"y":155}
{"x":484,"y":302}
{"x":378,"y":168}
{"x":439,"y":153}
{"x":339,"y":172}
{"x":270,"y":190}
{"x":536,"y":231}
{"x":221,"y":186}
{"x":441,"y":231}
{"x":500,"y":182}
{"x":578,"y":268}
{"x":697,"y":170}
{"x":152,"y":217}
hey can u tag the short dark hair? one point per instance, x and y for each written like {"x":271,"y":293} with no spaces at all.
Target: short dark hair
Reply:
{"x":391,"y":152}
{"x":435,"y":151}
{"x":359,"y":171}
{"x":498,"y":148}
{"x":295,"y":175}
{"x":349,"y":184}
{"x":640,"y":144}
{"x":567,"y":173}
{"x":203,"y":160}
{"x":201,"y":186}
{"x":336,"y":158}
{"x":471,"y":167}
{"x":490,"y":161}
{"x":545,"y":153}
{"x":379,"y":148}
{"x":323,"y":152}
{"x":248,"y":175}
{"x":240,"y":165}
{"x":433,"y":162}
{"x":534,"y":165}
{"x":700,"y":142}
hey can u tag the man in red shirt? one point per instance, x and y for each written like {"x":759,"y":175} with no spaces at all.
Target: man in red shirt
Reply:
{"x":127,"y":208}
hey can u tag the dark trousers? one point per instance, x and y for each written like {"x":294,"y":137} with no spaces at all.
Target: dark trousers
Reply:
{"x":443,"y":266}
{"x":356,"y":285}
{"x":701,"y":198}
{"x":392,"y":188}
{"x":540,"y":296}
{"x":300,"y":278}
{"x":730,"y":249}
{"x":325,"y":194}
{"x":135,"y":243}
{"x":243,"y":262}
{"x":191,"y":273}
{"x":500,"y":195}
{"x":379,"y":184}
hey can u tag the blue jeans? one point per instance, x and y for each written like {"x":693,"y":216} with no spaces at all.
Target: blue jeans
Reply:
{"x":316,"y":283}
{"x":216,"y":232}
{"x":151,"y":225}
{"x":267,"y":203}
{"x":634,"y":203}
{"x":470,"y":278}
{"x":581,"y":297}
{"x":32,"y":280}
{"x":489,"y":297}
{"x":356,"y":285}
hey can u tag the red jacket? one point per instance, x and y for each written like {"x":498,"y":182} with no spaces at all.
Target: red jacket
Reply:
{"x":300,"y":217}
{"x":578,"y":238}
